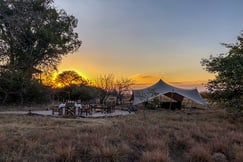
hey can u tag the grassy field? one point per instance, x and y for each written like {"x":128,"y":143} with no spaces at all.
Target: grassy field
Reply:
{"x":159,"y":135}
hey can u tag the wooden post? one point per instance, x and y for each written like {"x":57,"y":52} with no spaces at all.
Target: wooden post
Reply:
{"x":63,"y":111}
{"x":74,"y":111}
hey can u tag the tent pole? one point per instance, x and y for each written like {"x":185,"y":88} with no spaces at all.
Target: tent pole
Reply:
{"x":191,"y":103}
{"x":171,"y":96}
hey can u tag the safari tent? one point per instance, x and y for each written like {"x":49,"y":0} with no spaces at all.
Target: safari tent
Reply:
{"x":162,"y":88}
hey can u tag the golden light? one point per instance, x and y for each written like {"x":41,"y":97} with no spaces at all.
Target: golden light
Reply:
{"x":59,"y":85}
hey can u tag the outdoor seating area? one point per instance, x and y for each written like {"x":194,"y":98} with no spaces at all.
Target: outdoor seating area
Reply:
{"x":72,"y":109}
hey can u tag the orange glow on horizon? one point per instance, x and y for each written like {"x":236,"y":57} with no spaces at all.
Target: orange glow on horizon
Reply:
{"x":90,"y":63}
{"x":145,"y":80}
{"x":89,"y":70}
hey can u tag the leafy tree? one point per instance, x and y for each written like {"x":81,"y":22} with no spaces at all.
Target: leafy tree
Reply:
{"x":33,"y":35}
{"x":227,"y":87}
{"x":68,"y":78}
{"x":69,"y":83}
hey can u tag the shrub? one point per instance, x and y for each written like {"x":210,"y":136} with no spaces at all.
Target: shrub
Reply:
{"x":155,"y":156}
{"x":198,"y":153}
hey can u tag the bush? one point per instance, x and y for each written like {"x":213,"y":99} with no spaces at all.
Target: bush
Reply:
{"x":76,"y":92}
{"x":37,"y":93}
{"x":16,"y":89}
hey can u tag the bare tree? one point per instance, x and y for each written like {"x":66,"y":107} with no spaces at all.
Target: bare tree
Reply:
{"x":123,"y":85}
{"x":107,"y":83}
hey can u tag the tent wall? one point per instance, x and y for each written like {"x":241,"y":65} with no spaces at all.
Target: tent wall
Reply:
{"x":174,"y":96}
{"x":162,"y":88}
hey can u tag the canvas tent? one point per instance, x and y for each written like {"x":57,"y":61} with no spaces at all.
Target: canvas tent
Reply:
{"x":162,"y":88}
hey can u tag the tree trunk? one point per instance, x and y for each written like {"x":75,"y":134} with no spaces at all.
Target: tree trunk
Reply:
{"x":5,"y":98}
{"x":21,"y":98}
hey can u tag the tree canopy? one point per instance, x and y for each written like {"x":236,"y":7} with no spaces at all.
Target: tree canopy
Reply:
{"x":68,"y":78}
{"x":69,"y":85}
{"x":227,"y":87}
{"x":34,"y":36}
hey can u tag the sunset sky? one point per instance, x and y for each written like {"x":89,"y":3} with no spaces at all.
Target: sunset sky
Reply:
{"x":150,"y":39}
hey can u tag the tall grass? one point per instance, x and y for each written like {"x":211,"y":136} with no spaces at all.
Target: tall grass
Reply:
{"x":169,"y":136}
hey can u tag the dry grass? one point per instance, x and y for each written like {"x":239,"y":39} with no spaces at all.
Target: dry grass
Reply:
{"x":167,"y":136}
